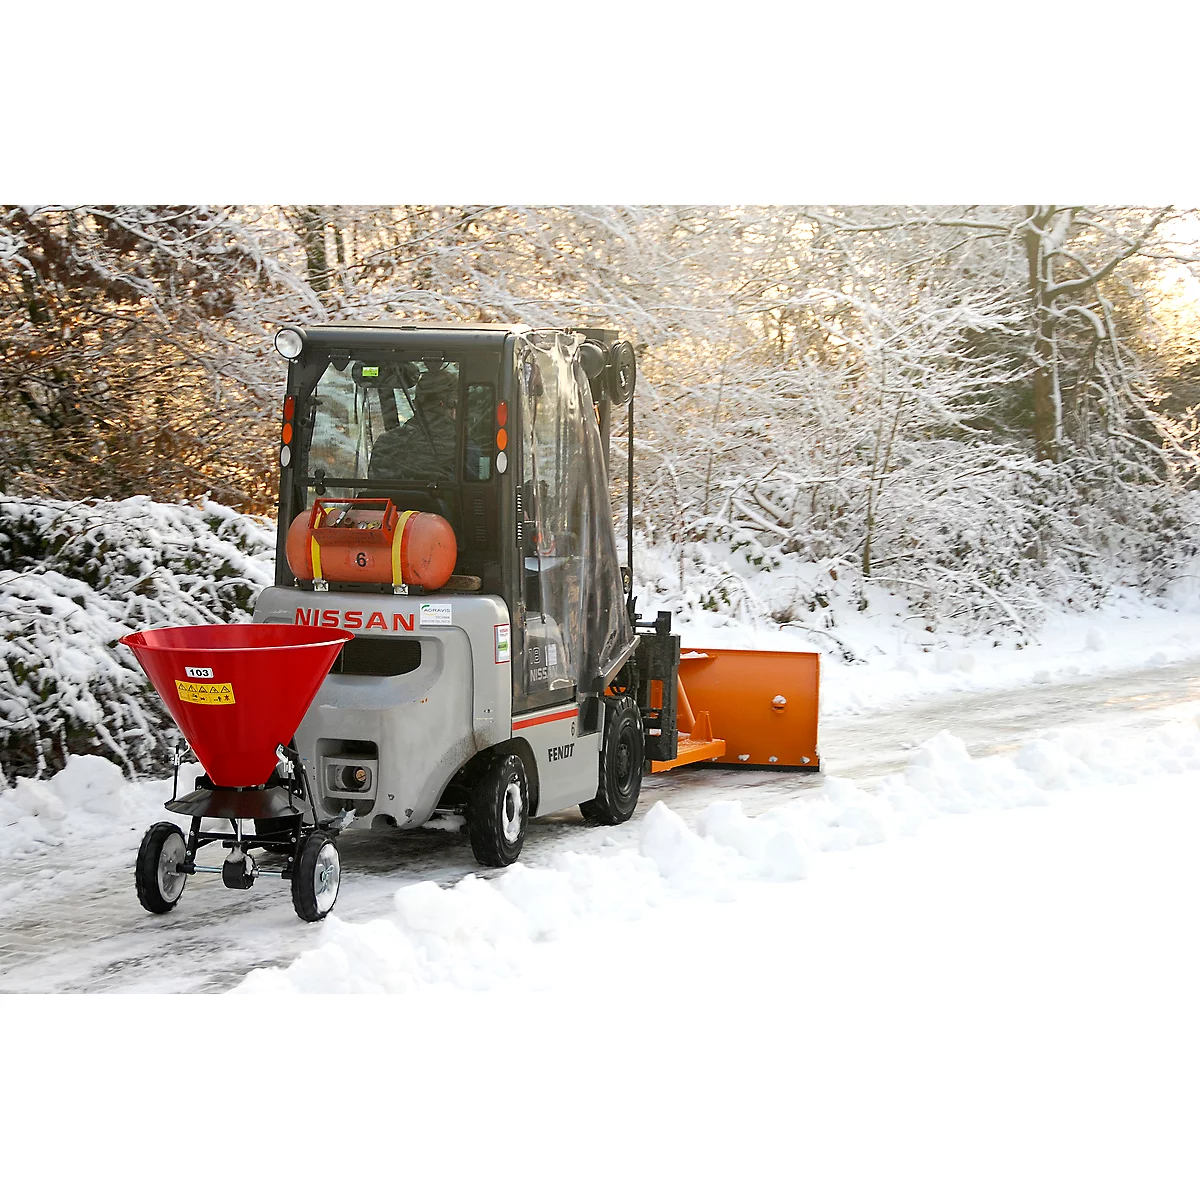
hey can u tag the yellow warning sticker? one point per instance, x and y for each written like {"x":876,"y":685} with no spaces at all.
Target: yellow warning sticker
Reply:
{"x":195,"y":692}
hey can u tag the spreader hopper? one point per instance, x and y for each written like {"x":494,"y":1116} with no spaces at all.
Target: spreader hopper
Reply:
{"x":237,"y":691}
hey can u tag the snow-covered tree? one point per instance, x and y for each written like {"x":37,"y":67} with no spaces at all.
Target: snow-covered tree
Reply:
{"x":963,"y":404}
{"x":128,"y":338}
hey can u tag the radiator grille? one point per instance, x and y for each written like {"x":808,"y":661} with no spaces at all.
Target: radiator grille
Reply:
{"x":378,"y":656}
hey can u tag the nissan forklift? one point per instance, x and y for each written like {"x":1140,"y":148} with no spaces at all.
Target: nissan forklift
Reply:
{"x":444,"y":498}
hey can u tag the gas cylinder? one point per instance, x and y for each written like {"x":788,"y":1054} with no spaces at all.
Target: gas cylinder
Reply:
{"x":352,"y":541}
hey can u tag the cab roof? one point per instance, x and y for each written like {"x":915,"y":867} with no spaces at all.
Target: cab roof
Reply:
{"x":415,"y":335}
{"x":412,"y":335}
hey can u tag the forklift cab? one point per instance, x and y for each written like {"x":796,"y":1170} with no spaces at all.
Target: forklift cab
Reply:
{"x":502,"y":431}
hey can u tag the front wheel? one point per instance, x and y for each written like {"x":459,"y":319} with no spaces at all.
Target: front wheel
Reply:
{"x":159,"y":875}
{"x":316,"y":877}
{"x":621,"y":760}
{"x":498,"y":812}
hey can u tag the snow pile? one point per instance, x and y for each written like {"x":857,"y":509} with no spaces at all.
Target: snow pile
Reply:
{"x":726,"y":846}
{"x":87,"y":799}
{"x":74,"y":578}
{"x":482,"y":932}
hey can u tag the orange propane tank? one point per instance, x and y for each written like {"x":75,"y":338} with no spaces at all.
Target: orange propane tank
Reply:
{"x":369,"y":541}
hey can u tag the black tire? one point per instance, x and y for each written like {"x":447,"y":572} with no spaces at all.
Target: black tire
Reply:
{"x":498,"y":812}
{"x":621,"y":761}
{"x":316,"y":876}
{"x":158,"y":886}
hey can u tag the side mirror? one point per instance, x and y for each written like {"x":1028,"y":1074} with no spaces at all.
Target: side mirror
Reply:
{"x":622,"y":371}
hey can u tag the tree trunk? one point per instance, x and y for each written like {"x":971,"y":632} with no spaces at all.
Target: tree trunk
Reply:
{"x":311,"y":220}
{"x":1045,"y":415}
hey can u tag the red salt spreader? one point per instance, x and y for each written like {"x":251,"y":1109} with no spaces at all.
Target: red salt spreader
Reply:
{"x":238,"y":692}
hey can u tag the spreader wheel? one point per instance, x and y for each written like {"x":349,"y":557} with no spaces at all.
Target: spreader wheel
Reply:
{"x":158,"y":875}
{"x":498,"y":812}
{"x":316,"y":877}
{"x":621,"y":758}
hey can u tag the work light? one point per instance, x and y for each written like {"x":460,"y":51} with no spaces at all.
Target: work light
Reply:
{"x":289,"y":343}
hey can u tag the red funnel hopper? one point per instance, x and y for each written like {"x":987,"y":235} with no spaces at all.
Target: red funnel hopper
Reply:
{"x":237,"y":691}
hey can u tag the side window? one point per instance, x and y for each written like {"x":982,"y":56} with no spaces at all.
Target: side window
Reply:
{"x":552,"y":478}
{"x":335,"y":404}
{"x":481,"y":432}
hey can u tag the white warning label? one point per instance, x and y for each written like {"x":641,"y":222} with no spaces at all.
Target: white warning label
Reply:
{"x":435,"y":614}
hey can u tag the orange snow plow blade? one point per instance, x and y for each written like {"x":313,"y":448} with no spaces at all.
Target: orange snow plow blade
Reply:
{"x":747,"y":708}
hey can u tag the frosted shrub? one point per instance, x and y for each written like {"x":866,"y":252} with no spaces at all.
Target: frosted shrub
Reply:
{"x":76,"y":577}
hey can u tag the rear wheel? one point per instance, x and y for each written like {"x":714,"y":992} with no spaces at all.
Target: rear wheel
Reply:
{"x":316,"y":877}
{"x":157,"y":875}
{"x":621,"y":758}
{"x":498,"y":812}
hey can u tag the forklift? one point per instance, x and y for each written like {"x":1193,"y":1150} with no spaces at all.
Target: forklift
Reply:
{"x":444,"y":497}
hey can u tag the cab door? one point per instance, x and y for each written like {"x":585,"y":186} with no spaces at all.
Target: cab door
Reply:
{"x":549,"y":528}
{"x":551,"y":556}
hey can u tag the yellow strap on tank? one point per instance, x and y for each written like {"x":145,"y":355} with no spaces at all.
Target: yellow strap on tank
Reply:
{"x":398,"y":546}
{"x":313,"y":546}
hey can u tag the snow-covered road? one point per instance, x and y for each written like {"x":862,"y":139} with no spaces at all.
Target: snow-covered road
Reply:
{"x":1003,"y":1006}
{"x":69,"y":919}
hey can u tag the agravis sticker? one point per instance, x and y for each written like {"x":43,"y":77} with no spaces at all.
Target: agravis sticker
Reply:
{"x":205,"y":693}
{"x":435,"y":614}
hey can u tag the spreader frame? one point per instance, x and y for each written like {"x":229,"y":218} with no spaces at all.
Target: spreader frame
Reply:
{"x":288,"y":793}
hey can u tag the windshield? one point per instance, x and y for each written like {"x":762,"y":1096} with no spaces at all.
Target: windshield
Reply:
{"x":392,"y":420}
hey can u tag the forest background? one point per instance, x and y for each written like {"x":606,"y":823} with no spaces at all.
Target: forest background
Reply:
{"x":984,"y":411}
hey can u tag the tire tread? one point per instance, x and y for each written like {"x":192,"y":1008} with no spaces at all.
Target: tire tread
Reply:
{"x":606,"y":808}
{"x":145,"y":874}
{"x":488,"y":843}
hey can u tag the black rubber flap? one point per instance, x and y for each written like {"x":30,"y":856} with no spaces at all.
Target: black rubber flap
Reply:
{"x":241,"y":804}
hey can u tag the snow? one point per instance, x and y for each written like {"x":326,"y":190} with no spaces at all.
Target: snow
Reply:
{"x":83,"y":801}
{"x":1000,"y":1005}
{"x":76,"y":577}
{"x":482,"y":932}
{"x":896,"y":661}
{"x":968,"y":977}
